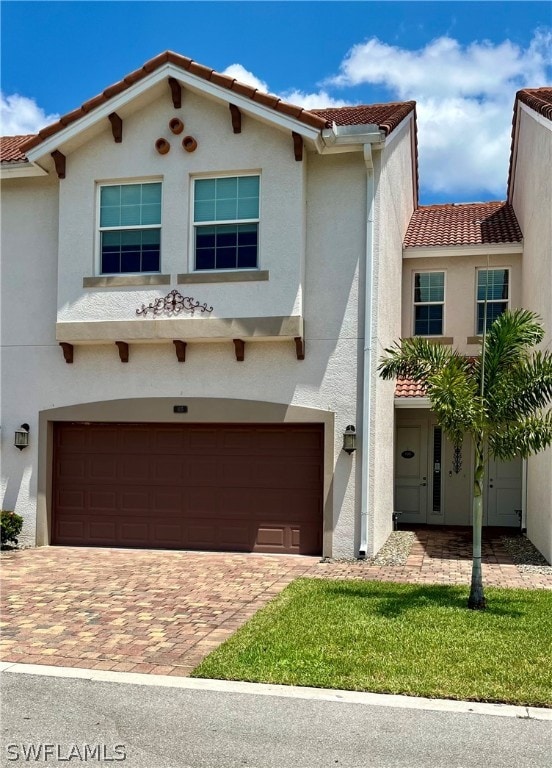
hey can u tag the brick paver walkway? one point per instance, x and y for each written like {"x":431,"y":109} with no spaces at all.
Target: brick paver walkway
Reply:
{"x":161,"y":612}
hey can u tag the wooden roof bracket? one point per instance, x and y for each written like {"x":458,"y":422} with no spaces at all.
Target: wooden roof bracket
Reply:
{"x":67,"y":351}
{"x":116,"y":127}
{"x":300,"y":347}
{"x":297,"y":145}
{"x":236,"y":118}
{"x":176,"y":92}
{"x":59,"y":162}
{"x":123,"y":351}
{"x":239,"y":348}
{"x":180,"y":349}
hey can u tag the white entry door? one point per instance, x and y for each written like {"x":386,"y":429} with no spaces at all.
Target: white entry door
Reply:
{"x":503,"y":492}
{"x":411,"y":472}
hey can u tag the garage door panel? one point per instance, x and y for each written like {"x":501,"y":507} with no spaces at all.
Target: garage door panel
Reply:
{"x":222,"y":487}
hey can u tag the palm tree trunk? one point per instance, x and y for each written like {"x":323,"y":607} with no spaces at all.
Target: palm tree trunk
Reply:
{"x":476,"y":599}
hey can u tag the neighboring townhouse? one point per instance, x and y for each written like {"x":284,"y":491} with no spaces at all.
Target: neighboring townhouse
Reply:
{"x":530,"y":194}
{"x":454,"y":255}
{"x":189,"y":319}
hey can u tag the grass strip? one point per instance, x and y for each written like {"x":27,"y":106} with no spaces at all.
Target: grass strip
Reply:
{"x":396,"y":638}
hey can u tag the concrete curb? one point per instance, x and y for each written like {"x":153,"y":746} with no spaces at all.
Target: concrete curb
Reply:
{"x":284,"y":691}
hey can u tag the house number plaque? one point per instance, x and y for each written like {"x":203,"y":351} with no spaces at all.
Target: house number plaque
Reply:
{"x":408,"y":454}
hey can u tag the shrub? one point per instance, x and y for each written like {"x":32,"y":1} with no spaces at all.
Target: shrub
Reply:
{"x":10,"y":526}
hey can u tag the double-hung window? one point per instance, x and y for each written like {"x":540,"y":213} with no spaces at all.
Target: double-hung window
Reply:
{"x":130,"y":228}
{"x":226,"y":222}
{"x":492,"y":291}
{"x":429,"y":301}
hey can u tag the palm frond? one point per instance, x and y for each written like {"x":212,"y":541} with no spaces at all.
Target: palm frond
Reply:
{"x":414,"y":358}
{"x":524,"y":389}
{"x":521,"y":438}
{"x":508,"y":342}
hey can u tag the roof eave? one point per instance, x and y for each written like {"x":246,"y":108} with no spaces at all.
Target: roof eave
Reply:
{"x":469,"y":249}
{"x":15,"y":170}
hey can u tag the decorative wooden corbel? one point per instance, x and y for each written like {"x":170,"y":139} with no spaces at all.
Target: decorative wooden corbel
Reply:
{"x":239,"y":348}
{"x":59,"y":162}
{"x":236,"y":118}
{"x":180,"y":349}
{"x":297,"y":145}
{"x":116,"y":127}
{"x":123,"y":350}
{"x":176,"y":92}
{"x":67,"y":351}
{"x":300,"y":347}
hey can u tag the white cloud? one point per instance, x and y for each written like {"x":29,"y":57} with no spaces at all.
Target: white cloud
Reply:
{"x":239,"y":72}
{"x":20,"y":115}
{"x":464,"y":95}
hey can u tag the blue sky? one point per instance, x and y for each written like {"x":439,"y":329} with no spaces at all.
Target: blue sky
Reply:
{"x":461,"y":61}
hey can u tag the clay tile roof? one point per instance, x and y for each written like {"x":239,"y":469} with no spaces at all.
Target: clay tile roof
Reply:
{"x":462,"y":224}
{"x":387,"y":116}
{"x":10,"y":148}
{"x":538,"y":99}
{"x":409,"y":388}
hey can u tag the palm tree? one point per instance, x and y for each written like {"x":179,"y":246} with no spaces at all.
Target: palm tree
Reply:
{"x":498,"y":398}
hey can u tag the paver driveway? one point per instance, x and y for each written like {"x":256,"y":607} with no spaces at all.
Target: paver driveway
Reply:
{"x":131,"y":610}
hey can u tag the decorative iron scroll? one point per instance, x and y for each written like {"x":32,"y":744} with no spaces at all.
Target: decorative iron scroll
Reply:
{"x":173,"y":304}
{"x":457,"y":459}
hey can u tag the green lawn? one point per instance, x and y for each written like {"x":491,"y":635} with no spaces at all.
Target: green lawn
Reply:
{"x":397,"y":638}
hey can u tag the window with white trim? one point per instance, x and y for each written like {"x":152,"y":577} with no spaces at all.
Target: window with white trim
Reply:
{"x":226,"y":222}
{"x":493,"y":285}
{"x":429,"y":302}
{"x":130,"y":228}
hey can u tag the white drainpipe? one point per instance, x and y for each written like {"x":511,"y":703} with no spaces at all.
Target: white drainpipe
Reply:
{"x":367,"y":368}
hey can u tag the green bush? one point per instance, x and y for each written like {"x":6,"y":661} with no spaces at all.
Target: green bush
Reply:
{"x":10,"y":526}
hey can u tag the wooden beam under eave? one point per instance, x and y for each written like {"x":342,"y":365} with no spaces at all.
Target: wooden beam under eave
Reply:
{"x":122,"y":346}
{"x":236,"y":118}
{"x":180,"y":349}
{"x":59,"y":162}
{"x":67,"y":351}
{"x":116,"y":127}
{"x":297,"y":145}
{"x":300,"y":347}
{"x":176,"y":92}
{"x":239,"y":348}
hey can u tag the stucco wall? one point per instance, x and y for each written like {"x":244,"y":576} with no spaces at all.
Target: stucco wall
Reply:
{"x":36,"y":378}
{"x":532,"y":201}
{"x":394,"y":206}
{"x":257,"y":148}
{"x":460,"y":292}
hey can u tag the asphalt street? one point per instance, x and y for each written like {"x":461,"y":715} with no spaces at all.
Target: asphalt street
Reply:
{"x":63,"y":721}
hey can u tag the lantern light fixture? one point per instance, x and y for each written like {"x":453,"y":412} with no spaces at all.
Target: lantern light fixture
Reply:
{"x":21,"y":439}
{"x":349,"y":439}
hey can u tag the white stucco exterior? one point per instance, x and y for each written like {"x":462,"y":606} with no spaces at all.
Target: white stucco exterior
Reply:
{"x":531,"y":197}
{"x":313,"y":236}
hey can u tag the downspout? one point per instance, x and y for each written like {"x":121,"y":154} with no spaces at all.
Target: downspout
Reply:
{"x":367,"y":360}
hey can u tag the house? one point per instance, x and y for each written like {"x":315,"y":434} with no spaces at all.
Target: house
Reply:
{"x":454,"y":256}
{"x":198,"y":280}
{"x":530,"y":194}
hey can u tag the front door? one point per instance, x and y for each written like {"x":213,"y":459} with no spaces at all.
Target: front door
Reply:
{"x":503,"y":492}
{"x":411,"y":489}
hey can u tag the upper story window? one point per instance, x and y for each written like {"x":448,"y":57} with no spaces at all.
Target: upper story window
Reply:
{"x":429,"y":301}
{"x":226,"y":222}
{"x":492,"y":286}
{"x":130,"y":228}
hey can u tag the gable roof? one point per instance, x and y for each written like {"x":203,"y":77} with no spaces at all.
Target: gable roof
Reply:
{"x":455,"y":224}
{"x":540,"y":101}
{"x":386,"y":116}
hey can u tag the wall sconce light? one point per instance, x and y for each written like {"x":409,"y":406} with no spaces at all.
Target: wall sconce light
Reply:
{"x":22,"y":437}
{"x":349,"y":439}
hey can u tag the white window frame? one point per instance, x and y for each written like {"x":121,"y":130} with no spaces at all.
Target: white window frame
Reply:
{"x":491,"y":301}
{"x":257,"y":221}
{"x":99,"y":230}
{"x":428,"y":303}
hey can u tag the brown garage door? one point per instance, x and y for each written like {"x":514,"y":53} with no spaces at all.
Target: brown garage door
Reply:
{"x":248,"y":488}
